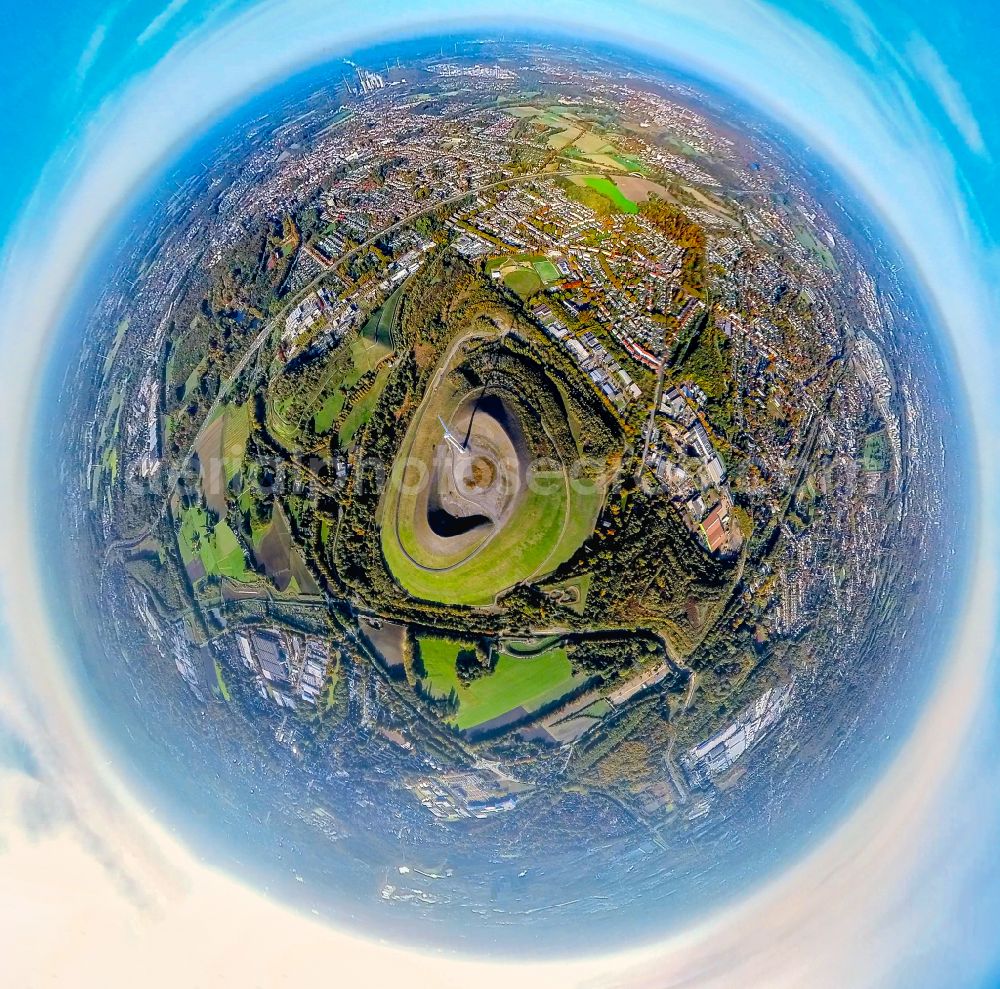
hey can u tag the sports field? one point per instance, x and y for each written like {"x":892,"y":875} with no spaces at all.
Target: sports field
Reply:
{"x":528,"y":683}
{"x":525,"y":274}
{"x":546,"y":270}
{"x":523,"y":281}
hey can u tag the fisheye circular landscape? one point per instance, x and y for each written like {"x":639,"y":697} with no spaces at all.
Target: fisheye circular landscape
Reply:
{"x":506,"y":494}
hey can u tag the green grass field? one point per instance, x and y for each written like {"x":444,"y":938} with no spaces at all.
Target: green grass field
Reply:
{"x":366,"y":355}
{"x":630,"y":163}
{"x":547,"y":271}
{"x":522,"y":111}
{"x":223,"y":688}
{"x":366,"y":351}
{"x":326,"y":414}
{"x":439,"y":656}
{"x":218,"y":548}
{"x":550,"y":119}
{"x":875,"y":453}
{"x":527,"y":541}
{"x":378,"y":329}
{"x":601,"y":708}
{"x":530,"y":683}
{"x":106,"y":452}
{"x":523,"y":281}
{"x":811,"y":243}
{"x":278,"y":423}
{"x":547,"y":527}
{"x":609,"y":190}
{"x":112,"y":355}
{"x":362,"y":409}
{"x":525,"y":274}
{"x":544,"y":533}
{"x":520,"y":647}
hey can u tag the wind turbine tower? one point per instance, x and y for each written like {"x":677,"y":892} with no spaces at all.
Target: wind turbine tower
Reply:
{"x":455,"y":445}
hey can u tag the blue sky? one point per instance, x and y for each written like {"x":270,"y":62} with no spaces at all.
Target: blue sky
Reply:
{"x":901,"y":96}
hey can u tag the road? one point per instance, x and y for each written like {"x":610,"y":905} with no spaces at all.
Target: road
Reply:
{"x":652,"y":415}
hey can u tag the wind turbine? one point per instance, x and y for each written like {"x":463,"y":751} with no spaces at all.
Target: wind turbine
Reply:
{"x":458,"y":447}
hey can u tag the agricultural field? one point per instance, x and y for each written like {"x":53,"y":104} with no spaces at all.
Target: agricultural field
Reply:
{"x":593,"y":144}
{"x":275,"y":553}
{"x":221,"y":448}
{"x":388,"y":639}
{"x":106,"y":462}
{"x":515,"y":684}
{"x":640,"y":189}
{"x":522,"y":112}
{"x":577,"y":132}
{"x":564,"y":138}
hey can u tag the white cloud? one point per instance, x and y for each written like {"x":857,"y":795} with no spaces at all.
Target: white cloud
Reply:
{"x":162,"y":20}
{"x":932,"y":70}
{"x":89,"y":54}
